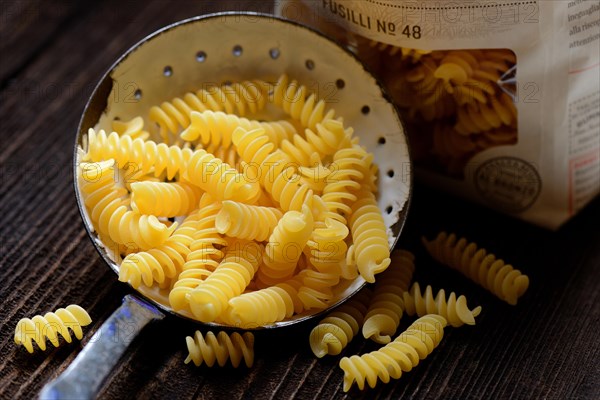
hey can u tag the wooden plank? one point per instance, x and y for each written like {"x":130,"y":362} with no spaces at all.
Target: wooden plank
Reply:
{"x":27,"y":26}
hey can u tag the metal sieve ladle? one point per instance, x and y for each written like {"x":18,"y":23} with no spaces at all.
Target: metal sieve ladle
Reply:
{"x":211,"y":50}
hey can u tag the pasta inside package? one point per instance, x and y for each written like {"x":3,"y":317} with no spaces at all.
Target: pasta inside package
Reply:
{"x":501,"y":99}
{"x":234,"y":219}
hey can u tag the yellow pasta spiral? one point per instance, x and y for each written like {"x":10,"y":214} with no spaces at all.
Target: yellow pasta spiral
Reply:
{"x":293,"y":98}
{"x":237,"y":98}
{"x":370,"y":250}
{"x":222,"y":181}
{"x":476,"y":264}
{"x":328,"y":138}
{"x":164,"y":261}
{"x":133,"y":128}
{"x":286,"y":244}
{"x":264,"y":306}
{"x":164,"y":199}
{"x":38,"y":328}
{"x":126,"y":227}
{"x":230,"y":278}
{"x":246,"y":221}
{"x":220,"y":348}
{"x":145,"y":155}
{"x":334,"y":332}
{"x":448,"y":144}
{"x":315,"y":290}
{"x":226,"y":154}
{"x":326,"y":247}
{"x":216,"y":128}
{"x":104,"y":200}
{"x":97,"y":183}
{"x":272,"y":168}
{"x":412,"y":55}
{"x":203,"y":257}
{"x":348,"y":170}
{"x":396,"y":357}
{"x":454,"y":309}
{"x":386,"y":305}
{"x":476,"y":118}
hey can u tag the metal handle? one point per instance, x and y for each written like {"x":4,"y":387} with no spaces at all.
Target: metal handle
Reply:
{"x":82,"y":379}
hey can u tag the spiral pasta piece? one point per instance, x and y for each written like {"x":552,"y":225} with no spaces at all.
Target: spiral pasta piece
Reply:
{"x":370,"y":250}
{"x":145,"y":155}
{"x":329,"y":137}
{"x":476,"y":264}
{"x":128,"y":227}
{"x":230,"y":278}
{"x":272,"y":168}
{"x":108,"y":209}
{"x":133,"y":128}
{"x":222,"y":181}
{"x":164,"y":199}
{"x":246,"y":221}
{"x":349,"y":167}
{"x":396,"y":357}
{"x":97,"y":183}
{"x":220,"y":348}
{"x":326,"y":247}
{"x":237,"y":98}
{"x":293,"y":98}
{"x":216,"y":128}
{"x":265,"y":306}
{"x":334,"y":332}
{"x":387,"y":303}
{"x":163,"y":262}
{"x":205,"y":254}
{"x":286,"y":244}
{"x":49,"y":326}
{"x":454,"y":309}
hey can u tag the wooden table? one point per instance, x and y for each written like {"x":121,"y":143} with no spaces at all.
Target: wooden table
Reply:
{"x":53,"y":52}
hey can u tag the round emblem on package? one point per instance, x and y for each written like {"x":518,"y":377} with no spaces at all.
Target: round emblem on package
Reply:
{"x":509,"y":184}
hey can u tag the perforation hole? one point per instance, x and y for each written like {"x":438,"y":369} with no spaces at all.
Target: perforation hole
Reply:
{"x":237,"y":50}
{"x":168,"y":71}
{"x":310,"y":64}
{"x":365,"y":110}
{"x":274,"y":53}
{"x":340,"y":84}
{"x":201,"y":56}
{"x":137,"y":94}
{"x":381,"y":140}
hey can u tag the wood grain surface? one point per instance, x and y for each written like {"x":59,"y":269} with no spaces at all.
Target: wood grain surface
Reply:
{"x":53,"y":53}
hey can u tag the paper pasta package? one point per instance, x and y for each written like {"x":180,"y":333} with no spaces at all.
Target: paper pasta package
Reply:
{"x":501,"y":99}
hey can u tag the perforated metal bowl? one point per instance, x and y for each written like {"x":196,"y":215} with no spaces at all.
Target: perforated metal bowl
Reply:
{"x":229,"y":47}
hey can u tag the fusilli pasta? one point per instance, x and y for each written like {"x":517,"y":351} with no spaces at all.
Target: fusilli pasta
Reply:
{"x":370,"y":250}
{"x":476,"y":264}
{"x":164,"y":199}
{"x":241,"y":97}
{"x":334,"y":332}
{"x":387,"y":304}
{"x":454,"y":309}
{"x":246,"y":221}
{"x":49,"y":326}
{"x":220,"y":348}
{"x":396,"y":357}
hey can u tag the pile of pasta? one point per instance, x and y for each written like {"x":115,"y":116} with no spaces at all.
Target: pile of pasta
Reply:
{"x":242,"y":222}
{"x":376,"y":311}
{"x":456,"y":103}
